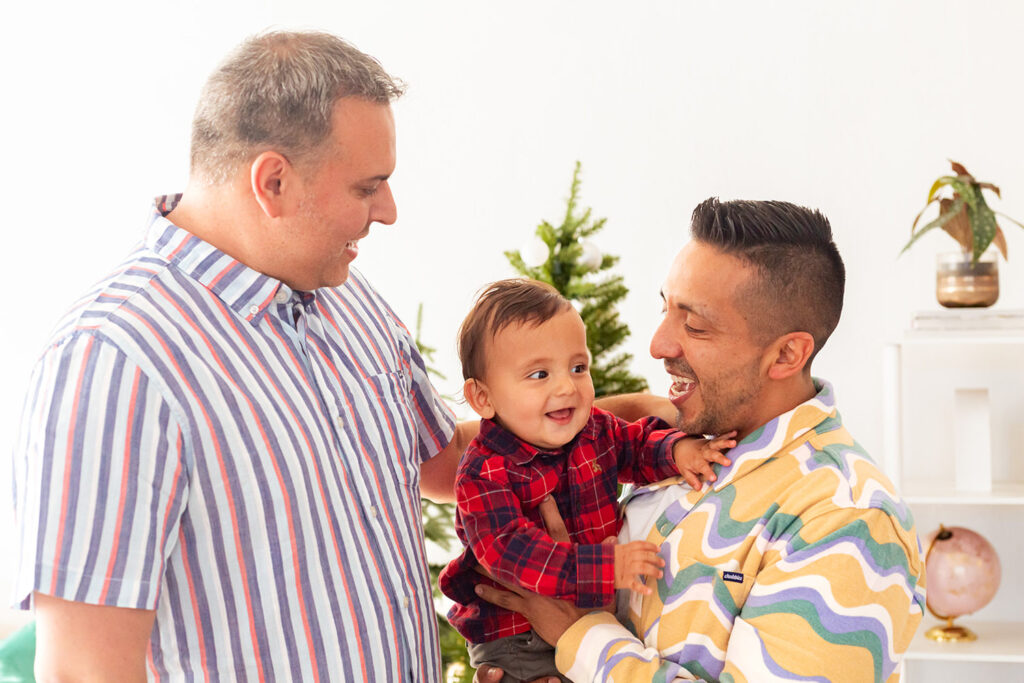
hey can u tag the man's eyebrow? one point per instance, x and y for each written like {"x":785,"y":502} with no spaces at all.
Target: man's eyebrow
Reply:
{"x":685,"y":307}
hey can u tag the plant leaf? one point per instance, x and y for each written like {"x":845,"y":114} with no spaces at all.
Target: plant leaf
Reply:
{"x":937,"y":223}
{"x":1000,"y":241}
{"x":1012,"y":220}
{"x":944,"y":180}
{"x":990,"y":186}
{"x":921,"y":213}
{"x":958,"y":227}
{"x":983,"y":225}
{"x":958,"y":168}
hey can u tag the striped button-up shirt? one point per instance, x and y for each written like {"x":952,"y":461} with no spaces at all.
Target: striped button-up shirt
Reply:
{"x":800,"y":563}
{"x":203,"y":441}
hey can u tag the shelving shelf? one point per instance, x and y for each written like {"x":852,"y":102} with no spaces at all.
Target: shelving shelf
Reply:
{"x":953,"y":409}
{"x":944,"y":493}
{"x":998,"y":642}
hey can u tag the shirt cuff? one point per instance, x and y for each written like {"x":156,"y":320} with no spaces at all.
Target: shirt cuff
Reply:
{"x":578,"y":653}
{"x":595,"y":575}
{"x":666,"y":466}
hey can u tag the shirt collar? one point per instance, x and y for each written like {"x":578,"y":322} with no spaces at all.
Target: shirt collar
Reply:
{"x":499,"y":440}
{"x":783,"y":433}
{"x":241,"y":288}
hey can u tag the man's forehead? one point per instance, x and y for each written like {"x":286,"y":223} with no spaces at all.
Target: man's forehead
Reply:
{"x":704,"y":280}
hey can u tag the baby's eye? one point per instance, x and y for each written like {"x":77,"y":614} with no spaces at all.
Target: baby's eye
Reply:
{"x":540,"y":374}
{"x":579,"y":369}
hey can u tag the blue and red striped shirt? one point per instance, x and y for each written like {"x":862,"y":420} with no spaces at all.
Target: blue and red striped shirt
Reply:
{"x":203,"y":441}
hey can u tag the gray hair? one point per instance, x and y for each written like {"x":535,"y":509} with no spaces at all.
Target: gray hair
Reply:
{"x":277,"y":91}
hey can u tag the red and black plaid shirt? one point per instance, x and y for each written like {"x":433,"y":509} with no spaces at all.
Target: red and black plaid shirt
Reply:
{"x":500,"y":482}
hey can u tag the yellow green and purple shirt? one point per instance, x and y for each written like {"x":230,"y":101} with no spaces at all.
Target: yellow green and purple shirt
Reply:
{"x":800,"y":563}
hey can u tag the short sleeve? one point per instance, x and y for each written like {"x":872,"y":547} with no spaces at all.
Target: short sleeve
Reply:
{"x":435,"y":422}
{"x":99,"y":476}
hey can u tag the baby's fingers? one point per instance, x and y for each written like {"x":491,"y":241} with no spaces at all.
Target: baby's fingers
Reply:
{"x":645,"y":566}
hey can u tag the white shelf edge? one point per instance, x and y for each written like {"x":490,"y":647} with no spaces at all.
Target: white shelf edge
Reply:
{"x":917,"y":493}
{"x":998,"y":642}
{"x":925,"y":337}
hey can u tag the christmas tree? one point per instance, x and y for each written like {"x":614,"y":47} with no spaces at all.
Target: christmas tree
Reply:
{"x":567,"y":260}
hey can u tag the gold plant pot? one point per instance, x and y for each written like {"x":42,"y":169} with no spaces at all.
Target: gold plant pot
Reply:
{"x":963,"y":283}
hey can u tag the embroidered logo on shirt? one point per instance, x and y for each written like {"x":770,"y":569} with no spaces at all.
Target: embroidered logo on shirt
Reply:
{"x":735,"y":577}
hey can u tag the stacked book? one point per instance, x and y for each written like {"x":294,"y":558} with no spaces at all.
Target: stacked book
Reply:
{"x":968,"y":320}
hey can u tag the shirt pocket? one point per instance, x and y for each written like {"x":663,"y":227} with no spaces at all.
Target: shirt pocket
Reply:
{"x":390,"y":387}
{"x":391,"y":425}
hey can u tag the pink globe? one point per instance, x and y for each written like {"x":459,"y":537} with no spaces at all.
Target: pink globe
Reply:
{"x":962,"y":569}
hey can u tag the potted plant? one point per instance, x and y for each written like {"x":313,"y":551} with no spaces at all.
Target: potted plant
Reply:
{"x":969,"y":277}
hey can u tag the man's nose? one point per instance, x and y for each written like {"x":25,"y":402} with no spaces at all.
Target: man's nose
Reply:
{"x":664,"y":343}
{"x":385,"y":211}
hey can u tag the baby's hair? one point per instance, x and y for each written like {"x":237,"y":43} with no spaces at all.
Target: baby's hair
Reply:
{"x":516,"y":301}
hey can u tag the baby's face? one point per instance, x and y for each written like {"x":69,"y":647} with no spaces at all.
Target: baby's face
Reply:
{"x":538,"y":380}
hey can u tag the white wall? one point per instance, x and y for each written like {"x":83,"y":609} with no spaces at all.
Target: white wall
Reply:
{"x":853,"y":111}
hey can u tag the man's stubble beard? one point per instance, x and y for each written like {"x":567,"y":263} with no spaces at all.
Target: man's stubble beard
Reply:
{"x":723,"y":408}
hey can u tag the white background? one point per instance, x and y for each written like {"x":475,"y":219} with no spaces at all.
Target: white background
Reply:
{"x":852,"y":108}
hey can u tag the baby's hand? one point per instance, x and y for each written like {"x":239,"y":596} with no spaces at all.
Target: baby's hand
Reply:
{"x":694,"y":455}
{"x":633,"y":559}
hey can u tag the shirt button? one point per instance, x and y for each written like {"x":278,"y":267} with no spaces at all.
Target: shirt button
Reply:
{"x":254,"y":309}
{"x":340,"y":421}
{"x":405,"y":601}
{"x":373,"y":510}
{"x":281,"y":296}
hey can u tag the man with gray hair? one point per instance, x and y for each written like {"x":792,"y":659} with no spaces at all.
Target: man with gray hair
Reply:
{"x":224,"y":443}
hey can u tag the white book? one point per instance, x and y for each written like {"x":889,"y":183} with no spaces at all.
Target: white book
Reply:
{"x":968,"y":319}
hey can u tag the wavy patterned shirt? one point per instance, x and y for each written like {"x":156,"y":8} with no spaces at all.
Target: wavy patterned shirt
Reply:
{"x":202,"y":441}
{"x":801,"y":563}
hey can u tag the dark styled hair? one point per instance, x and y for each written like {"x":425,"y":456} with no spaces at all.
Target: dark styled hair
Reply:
{"x":800,"y":275}
{"x":277,"y":91}
{"x":516,"y":301}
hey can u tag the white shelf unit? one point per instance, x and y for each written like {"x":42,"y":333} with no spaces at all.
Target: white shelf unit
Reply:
{"x":953,"y":406}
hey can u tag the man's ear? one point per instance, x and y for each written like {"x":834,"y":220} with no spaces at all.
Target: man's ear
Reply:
{"x":478,"y":397}
{"x":271,"y":177}
{"x":790,"y":354}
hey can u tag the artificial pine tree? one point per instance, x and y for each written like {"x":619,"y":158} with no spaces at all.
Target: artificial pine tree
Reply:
{"x":571,"y":267}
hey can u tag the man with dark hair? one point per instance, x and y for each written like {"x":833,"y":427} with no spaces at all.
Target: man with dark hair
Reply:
{"x":224,"y":444}
{"x":800,"y":562}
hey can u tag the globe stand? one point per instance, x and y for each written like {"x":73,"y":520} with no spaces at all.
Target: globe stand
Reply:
{"x":950,"y":633}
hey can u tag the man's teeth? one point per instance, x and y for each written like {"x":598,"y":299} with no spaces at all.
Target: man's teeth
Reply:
{"x":681,"y":386}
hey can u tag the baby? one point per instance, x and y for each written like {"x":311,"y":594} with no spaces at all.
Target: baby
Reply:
{"x":525,"y":361}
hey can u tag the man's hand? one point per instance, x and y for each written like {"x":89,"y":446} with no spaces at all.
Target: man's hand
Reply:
{"x":492,"y":674}
{"x":694,"y":455}
{"x":549,"y":617}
